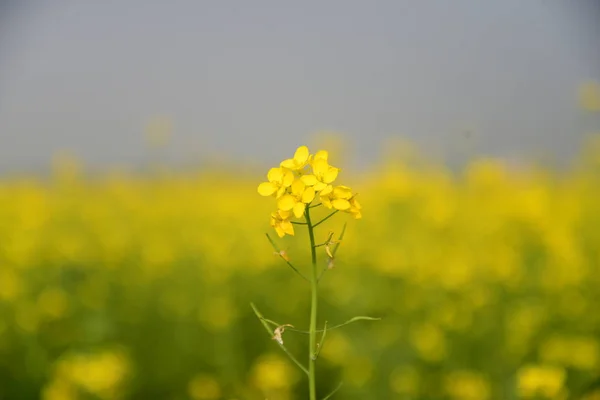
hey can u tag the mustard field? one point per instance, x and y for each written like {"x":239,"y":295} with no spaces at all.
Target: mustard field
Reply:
{"x":122,"y":285}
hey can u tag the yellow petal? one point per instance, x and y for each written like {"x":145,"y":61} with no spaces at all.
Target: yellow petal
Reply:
{"x":280,"y":192}
{"x":284,"y":214}
{"x":286,"y":202}
{"x":308,"y":195}
{"x":340,"y":204}
{"x":309,"y":180}
{"x":321,"y":155}
{"x":280,"y":231}
{"x":326,"y":202}
{"x":320,"y":167}
{"x":342,"y":192}
{"x":266,"y":189}
{"x":299,"y":210}
{"x":289,"y":163}
{"x":275,"y":175}
{"x":330,"y":175}
{"x":320,"y":186}
{"x":287,"y":227}
{"x":301,"y":155}
{"x":298,"y":187}
{"x":326,"y":191}
{"x":288,"y":178}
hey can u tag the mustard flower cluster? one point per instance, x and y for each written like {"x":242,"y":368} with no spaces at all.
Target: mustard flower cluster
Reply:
{"x":296,"y":183}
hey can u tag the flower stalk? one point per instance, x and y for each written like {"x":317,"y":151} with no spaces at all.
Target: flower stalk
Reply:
{"x":314,"y":286}
{"x":295,"y":185}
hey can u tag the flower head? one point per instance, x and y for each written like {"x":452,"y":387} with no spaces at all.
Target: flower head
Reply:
{"x":295,"y":184}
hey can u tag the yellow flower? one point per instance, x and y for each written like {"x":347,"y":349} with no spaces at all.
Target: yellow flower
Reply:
{"x":319,"y":155}
{"x":296,"y":200}
{"x":280,"y":221}
{"x":279,"y":180}
{"x":336,"y":197}
{"x":342,"y":199}
{"x":355,"y":208}
{"x":323,"y":173}
{"x":301,"y":158}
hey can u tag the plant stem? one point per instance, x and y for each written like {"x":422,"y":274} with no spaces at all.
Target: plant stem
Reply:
{"x":313,"y":311}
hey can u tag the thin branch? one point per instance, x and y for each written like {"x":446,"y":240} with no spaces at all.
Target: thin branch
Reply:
{"x":333,"y":391}
{"x":335,"y":249}
{"x":351,"y":320}
{"x":298,"y":223}
{"x":264,"y":323}
{"x":315,"y":205}
{"x":278,"y":251}
{"x":339,"y":241}
{"x":320,"y":346}
{"x":325,"y":219}
{"x":328,"y":241}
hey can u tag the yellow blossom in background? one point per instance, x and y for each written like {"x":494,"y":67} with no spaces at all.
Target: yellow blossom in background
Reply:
{"x":100,"y":374}
{"x":540,"y":380}
{"x":273,"y":373}
{"x":204,"y":387}
{"x":404,"y":380}
{"x":467,"y":385}
{"x":477,"y":272}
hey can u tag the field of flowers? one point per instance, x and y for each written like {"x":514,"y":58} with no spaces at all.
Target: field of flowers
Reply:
{"x":138,"y":286}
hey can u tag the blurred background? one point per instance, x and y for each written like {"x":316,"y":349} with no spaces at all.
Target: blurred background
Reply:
{"x":133,"y":136}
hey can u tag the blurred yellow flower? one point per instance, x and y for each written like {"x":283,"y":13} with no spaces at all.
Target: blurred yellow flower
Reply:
{"x":540,"y":380}
{"x":467,"y":385}
{"x":204,"y":387}
{"x":272,"y":372}
{"x":100,"y":374}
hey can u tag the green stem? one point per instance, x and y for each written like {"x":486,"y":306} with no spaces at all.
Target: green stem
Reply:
{"x":312,"y":387}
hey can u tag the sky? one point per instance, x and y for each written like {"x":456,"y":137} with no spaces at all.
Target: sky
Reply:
{"x":251,"y":81}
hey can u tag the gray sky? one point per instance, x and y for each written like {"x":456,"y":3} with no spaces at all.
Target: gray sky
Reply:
{"x":253,"y":79}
